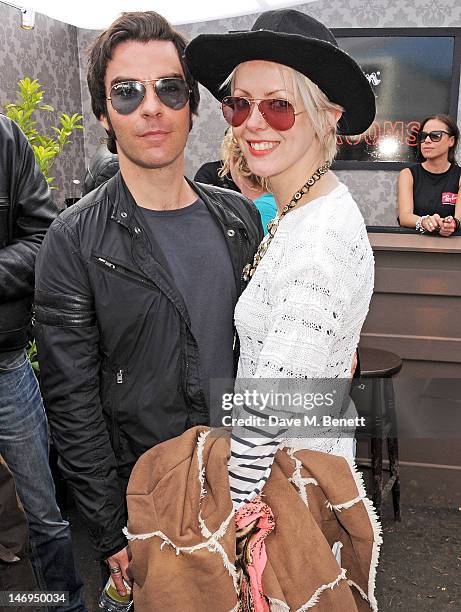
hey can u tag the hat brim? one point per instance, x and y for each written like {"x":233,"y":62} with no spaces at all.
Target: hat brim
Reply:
{"x":212,"y":57}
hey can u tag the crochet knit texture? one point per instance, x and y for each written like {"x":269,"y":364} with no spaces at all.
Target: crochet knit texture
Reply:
{"x":300,"y":318}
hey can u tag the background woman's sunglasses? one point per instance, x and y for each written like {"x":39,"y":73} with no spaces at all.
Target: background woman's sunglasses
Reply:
{"x":278,"y":114}
{"x":435,"y":135}
{"x":126,"y":96}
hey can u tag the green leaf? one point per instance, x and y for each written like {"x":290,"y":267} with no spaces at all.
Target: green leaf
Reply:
{"x":32,"y":354}
{"x":28,"y":106}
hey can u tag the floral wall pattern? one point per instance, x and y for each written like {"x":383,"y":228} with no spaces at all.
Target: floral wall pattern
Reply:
{"x":48,"y":53}
{"x":55,"y":53}
{"x":374,"y":190}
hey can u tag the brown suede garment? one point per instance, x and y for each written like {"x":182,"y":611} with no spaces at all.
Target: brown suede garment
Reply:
{"x":164,"y":495}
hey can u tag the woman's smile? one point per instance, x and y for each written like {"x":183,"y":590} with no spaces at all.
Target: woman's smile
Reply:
{"x":261,"y":147}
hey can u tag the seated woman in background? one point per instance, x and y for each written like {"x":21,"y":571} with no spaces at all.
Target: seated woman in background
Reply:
{"x":429,"y":193}
{"x":254,"y":187}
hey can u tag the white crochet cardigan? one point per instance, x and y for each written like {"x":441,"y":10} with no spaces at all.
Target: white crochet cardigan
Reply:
{"x":300,"y":317}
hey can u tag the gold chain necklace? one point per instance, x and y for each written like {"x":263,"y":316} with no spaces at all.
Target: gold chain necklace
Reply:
{"x":272,"y":227}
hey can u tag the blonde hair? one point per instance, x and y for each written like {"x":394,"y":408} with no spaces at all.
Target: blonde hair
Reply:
{"x":230,"y":151}
{"x":319,"y":109}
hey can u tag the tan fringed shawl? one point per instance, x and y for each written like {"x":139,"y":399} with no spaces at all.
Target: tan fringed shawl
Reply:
{"x":182,"y":533}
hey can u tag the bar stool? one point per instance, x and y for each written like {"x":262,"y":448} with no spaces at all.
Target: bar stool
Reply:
{"x":374,"y":397}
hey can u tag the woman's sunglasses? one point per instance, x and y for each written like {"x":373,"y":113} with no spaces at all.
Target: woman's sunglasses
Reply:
{"x":435,"y":135}
{"x":278,"y":114}
{"x":126,"y":96}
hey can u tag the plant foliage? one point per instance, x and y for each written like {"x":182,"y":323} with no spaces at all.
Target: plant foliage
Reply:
{"x":23,"y":112}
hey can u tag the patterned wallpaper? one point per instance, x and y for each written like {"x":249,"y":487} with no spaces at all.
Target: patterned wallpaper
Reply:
{"x":48,"y":53}
{"x":374,"y":190}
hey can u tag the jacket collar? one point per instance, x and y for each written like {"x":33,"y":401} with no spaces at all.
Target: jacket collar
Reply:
{"x":122,"y":207}
{"x":209,"y":197}
{"x":123,"y":210}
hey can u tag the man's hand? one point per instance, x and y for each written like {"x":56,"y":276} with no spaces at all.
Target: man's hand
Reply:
{"x":119,"y":562}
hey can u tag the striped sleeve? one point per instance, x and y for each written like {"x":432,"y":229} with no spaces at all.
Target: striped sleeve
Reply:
{"x":250,"y":461}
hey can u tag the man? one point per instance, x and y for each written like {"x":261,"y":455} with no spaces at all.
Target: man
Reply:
{"x":26,"y":211}
{"x":102,"y":167}
{"x":208,"y":173}
{"x":136,"y":284}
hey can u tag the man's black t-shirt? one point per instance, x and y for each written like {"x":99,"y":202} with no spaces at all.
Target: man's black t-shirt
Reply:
{"x":435,"y":193}
{"x":199,"y":260}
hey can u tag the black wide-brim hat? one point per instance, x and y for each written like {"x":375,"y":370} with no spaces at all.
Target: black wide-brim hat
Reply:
{"x":293,"y":39}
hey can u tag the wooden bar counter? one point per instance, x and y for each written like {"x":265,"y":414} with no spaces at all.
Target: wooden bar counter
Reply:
{"x":416,"y":305}
{"x":416,"y":313}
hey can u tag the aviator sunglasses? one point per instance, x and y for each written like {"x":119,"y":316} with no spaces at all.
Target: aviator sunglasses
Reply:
{"x":278,"y":114}
{"x":435,"y":135}
{"x":126,"y":96}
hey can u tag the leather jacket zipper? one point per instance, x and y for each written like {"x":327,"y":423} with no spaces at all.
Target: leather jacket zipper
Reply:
{"x":115,"y":406}
{"x":123,"y":272}
{"x":4,"y":223}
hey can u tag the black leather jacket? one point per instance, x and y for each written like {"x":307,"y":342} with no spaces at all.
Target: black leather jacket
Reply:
{"x":102,"y":167}
{"x":26,"y":211}
{"x":119,"y":363}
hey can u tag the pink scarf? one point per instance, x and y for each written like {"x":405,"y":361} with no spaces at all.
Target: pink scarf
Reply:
{"x":255,"y":510}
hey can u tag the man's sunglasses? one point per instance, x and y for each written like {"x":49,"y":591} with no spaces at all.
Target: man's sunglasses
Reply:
{"x":435,"y":135}
{"x":278,"y":114}
{"x":126,"y":96}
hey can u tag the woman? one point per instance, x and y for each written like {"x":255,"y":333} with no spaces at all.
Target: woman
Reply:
{"x":429,"y":193}
{"x":286,"y":86}
{"x":253,"y":187}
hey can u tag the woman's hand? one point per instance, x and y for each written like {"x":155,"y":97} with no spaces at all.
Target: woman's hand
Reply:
{"x":448,"y":226}
{"x":432,"y":223}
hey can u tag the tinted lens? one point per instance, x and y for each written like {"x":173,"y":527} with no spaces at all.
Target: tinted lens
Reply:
{"x":173,"y":92}
{"x":127,"y":96}
{"x":435,"y":136}
{"x":279,"y":114}
{"x":235,"y":110}
{"x":421,"y":136}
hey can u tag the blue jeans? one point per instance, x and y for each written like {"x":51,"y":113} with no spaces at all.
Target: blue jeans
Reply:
{"x":24,"y":446}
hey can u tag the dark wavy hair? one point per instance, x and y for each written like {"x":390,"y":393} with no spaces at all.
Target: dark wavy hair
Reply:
{"x":138,"y":26}
{"x":453,"y":130}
